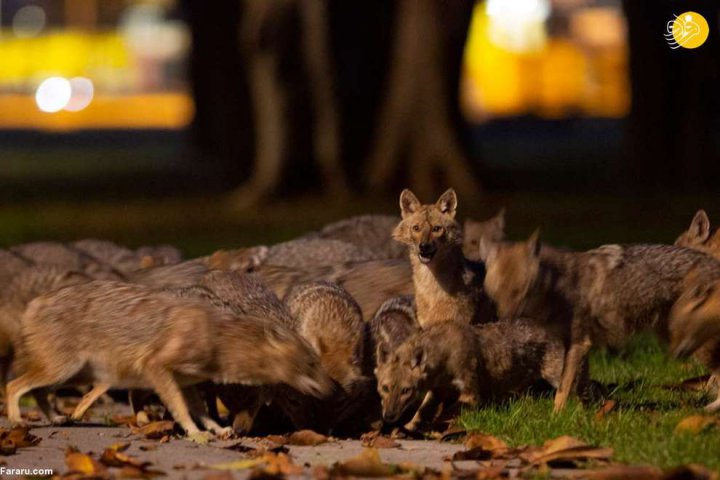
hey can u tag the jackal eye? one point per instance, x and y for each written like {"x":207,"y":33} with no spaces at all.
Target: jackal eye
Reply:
{"x":436,"y":229}
{"x":416,"y":228}
{"x":404,"y":391}
{"x":385,"y":389}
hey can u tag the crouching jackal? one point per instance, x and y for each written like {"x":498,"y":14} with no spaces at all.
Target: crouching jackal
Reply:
{"x":483,"y":363}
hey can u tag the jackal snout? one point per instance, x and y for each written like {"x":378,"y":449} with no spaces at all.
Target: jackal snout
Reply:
{"x":695,"y":316}
{"x":427,"y":229}
{"x":511,"y":272}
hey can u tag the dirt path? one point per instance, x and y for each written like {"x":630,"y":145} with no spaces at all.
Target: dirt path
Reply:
{"x":180,"y":458}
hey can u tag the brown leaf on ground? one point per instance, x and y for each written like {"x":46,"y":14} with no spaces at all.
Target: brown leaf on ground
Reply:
{"x":565,"y":449}
{"x":219,"y":476}
{"x":78,"y":462}
{"x":487,"y":442}
{"x":606,"y":408}
{"x":156,"y":430}
{"x":126,"y":420}
{"x":306,"y":437}
{"x":18,"y":437}
{"x":691,"y":472}
{"x":376,"y":440}
{"x":366,"y":464}
{"x":625,"y":472}
{"x":695,"y":424}
{"x":280,"y":464}
{"x":115,"y":458}
{"x":135,"y":472}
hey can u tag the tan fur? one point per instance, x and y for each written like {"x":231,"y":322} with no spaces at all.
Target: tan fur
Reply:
{"x":446,"y":287}
{"x":491,"y":230}
{"x":698,"y":236}
{"x":601,"y":296}
{"x":487,"y":362}
{"x":695,"y":326}
{"x":123,"y":335}
{"x":66,"y":256}
{"x":372,"y":232}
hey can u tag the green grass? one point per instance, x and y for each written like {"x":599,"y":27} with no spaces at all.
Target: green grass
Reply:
{"x":641,"y":427}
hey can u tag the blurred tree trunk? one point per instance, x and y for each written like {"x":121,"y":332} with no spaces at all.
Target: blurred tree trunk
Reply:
{"x":418,"y":119}
{"x":669,"y":137}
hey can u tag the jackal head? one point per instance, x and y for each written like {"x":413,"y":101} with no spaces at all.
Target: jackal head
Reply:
{"x":695,"y":316}
{"x":428,"y":230}
{"x":697,"y":233}
{"x":491,"y":230}
{"x":258,"y":351}
{"x":401,"y":379}
{"x":512,"y":271}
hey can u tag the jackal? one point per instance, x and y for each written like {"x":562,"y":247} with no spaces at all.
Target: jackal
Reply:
{"x":373,"y":232}
{"x":30,"y":283}
{"x":115,"y":334}
{"x":125,"y":260}
{"x":695,"y":327}
{"x":596,"y":297}
{"x":11,"y":264}
{"x":491,"y":230}
{"x":183,"y":274}
{"x":58,"y":254}
{"x":300,"y":253}
{"x":698,"y":236}
{"x":393,"y":323}
{"x":330,"y":319}
{"x":485,"y":362}
{"x":447,"y":286}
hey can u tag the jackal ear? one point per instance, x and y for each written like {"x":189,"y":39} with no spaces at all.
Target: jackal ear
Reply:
{"x":534,"y":243}
{"x":382,"y":354}
{"x":700,"y":226}
{"x":418,"y":358}
{"x":487,"y":250}
{"x":499,"y":220}
{"x":447,"y":203}
{"x":409,"y":203}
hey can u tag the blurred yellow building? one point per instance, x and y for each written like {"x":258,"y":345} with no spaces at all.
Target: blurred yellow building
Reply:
{"x":550,"y":59}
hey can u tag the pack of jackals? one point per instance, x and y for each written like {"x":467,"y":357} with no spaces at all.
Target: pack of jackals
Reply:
{"x":371,"y":320}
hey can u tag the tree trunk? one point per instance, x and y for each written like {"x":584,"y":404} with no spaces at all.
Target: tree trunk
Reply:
{"x":416,"y":120}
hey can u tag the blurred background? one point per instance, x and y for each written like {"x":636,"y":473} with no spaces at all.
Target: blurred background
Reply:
{"x":233,"y":122}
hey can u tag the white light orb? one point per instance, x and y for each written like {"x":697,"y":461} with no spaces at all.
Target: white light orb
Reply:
{"x":81,"y":95}
{"x":53,"y":94}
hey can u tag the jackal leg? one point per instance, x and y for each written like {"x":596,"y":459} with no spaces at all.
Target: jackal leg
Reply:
{"x":425,"y":412}
{"x":163,"y":381}
{"x":199,"y":411}
{"x":574,"y":358}
{"x":36,"y":378}
{"x":714,"y":384}
{"x":88,"y":399}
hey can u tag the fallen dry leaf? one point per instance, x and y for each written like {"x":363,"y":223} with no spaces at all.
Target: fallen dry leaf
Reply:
{"x":129,"y":471}
{"x":156,"y":430}
{"x":306,"y":437}
{"x":78,"y":462}
{"x":695,"y":424}
{"x":242,"y":464}
{"x":126,"y":420}
{"x":115,"y":458}
{"x":565,"y":449}
{"x":33,"y":416}
{"x":219,"y":476}
{"x":366,"y":464}
{"x":606,"y":408}
{"x":376,"y":440}
{"x":18,"y":437}
{"x":487,"y":442}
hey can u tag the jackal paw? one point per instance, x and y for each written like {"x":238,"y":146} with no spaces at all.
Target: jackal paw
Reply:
{"x":223,"y":433}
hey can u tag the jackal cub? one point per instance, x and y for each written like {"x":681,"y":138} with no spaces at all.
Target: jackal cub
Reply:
{"x":447,"y":286}
{"x":113,"y":334}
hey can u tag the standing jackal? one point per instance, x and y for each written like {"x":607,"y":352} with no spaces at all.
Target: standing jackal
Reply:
{"x":447,"y":287}
{"x":601,"y":296}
